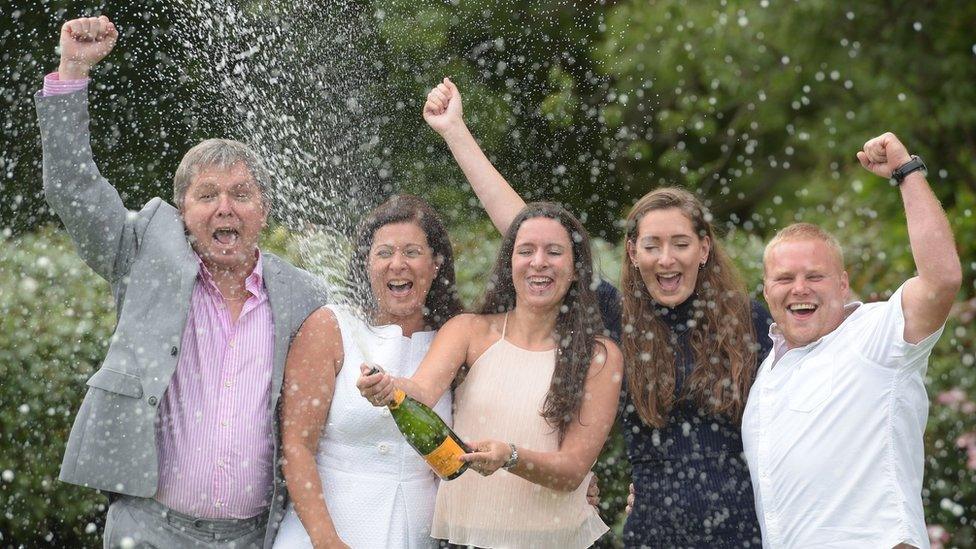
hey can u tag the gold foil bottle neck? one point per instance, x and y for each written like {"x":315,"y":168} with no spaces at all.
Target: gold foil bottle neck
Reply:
{"x":398,"y":396}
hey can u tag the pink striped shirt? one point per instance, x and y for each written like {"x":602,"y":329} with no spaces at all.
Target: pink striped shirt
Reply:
{"x":214,"y":432}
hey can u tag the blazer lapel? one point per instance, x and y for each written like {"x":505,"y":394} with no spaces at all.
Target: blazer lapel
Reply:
{"x":279,"y":294}
{"x":189,"y":270}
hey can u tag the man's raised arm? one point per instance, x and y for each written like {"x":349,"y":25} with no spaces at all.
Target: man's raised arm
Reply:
{"x":927,"y":298}
{"x":85,"y":42}
{"x":90,"y":208}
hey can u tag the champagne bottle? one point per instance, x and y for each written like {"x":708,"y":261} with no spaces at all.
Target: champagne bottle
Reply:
{"x":427,"y":433}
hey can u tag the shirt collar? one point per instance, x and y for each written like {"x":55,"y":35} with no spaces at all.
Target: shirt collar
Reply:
{"x":252,"y":283}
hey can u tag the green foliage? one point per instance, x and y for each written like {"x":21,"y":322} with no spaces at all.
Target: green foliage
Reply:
{"x":55,"y":320}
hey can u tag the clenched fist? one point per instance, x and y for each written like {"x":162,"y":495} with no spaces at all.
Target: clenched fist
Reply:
{"x":85,"y":42}
{"x":883,"y":154}
{"x":443,"y":110}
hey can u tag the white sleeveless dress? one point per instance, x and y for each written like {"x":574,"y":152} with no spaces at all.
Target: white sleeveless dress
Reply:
{"x":380,"y":493}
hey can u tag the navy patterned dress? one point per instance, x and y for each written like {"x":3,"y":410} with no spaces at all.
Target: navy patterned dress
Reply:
{"x":691,"y":481}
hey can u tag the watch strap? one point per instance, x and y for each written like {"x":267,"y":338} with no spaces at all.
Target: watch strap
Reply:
{"x":915,"y":164}
{"x":512,"y":459}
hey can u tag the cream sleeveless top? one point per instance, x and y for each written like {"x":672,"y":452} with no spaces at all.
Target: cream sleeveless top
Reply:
{"x":501,"y":398}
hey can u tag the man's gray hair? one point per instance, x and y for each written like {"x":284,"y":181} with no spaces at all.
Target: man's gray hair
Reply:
{"x":222,"y":154}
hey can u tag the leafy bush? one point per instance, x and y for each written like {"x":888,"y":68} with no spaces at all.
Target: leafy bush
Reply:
{"x":56,"y":317}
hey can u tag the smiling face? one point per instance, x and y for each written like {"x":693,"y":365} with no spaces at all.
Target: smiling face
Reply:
{"x":806,"y":287}
{"x":668,"y":253}
{"x":224,"y":213}
{"x":542,"y":263}
{"x":402,"y":267}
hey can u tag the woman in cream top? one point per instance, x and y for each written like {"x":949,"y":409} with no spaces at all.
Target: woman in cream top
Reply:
{"x":540,"y":396}
{"x":502,"y":396}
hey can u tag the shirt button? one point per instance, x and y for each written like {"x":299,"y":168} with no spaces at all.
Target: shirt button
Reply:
{"x":173,"y":350}
{"x":217,"y":503}
{"x":384,"y":411}
{"x":220,"y":463}
{"x":223,"y":424}
{"x":228,"y":383}
{"x":153,"y":400}
{"x":384,"y":448}
{"x":232,"y":344}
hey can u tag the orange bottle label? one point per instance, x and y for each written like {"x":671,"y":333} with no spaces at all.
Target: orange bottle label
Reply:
{"x":444,"y":459}
{"x":398,"y":397}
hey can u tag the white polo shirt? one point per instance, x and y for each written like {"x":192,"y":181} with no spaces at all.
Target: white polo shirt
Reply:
{"x":832,"y":433}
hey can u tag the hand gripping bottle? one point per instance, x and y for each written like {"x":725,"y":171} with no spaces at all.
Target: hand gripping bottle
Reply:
{"x":428,"y":434}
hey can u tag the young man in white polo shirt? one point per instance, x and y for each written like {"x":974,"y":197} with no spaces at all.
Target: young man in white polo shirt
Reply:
{"x":833,"y":426}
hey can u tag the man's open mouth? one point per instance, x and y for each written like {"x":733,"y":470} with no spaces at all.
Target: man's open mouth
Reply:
{"x":227,"y":237}
{"x":802,"y":311}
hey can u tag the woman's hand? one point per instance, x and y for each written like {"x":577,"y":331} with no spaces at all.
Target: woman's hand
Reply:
{"x":488,"y":456}
{"x":377,"y":388}
{"x":593,"y":491}
{"x":442,"y":111}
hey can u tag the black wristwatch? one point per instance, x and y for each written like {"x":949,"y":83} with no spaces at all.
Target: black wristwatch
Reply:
{"x":899,"y":174}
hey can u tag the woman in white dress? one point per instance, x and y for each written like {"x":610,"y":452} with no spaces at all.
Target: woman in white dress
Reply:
{"x":352,"y":479}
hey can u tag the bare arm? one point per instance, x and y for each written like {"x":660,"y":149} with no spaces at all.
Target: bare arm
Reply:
{"x":314,"y":360}
{"x":435,"y":373}
{"x":566,"y":468}
{"x":443,"y":112}
{"x":927,"y":298}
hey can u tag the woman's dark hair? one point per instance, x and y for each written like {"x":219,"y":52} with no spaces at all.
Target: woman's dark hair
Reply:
{"x":723,"y":339}
{"x":442,"y":301}
{"x":577,"y":324}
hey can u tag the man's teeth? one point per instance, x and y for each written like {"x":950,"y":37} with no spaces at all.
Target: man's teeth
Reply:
{"x":802,"y":307}
{"x":225,"y":236}
{"x":668,"y":276}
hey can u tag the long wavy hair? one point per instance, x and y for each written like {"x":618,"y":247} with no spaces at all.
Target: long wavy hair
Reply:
{"x":577,"y":323}
{"x":442,"y":301}
{"x":723,"y":337}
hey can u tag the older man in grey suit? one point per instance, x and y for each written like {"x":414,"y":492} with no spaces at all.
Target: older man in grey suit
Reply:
{"x":178,"y":425}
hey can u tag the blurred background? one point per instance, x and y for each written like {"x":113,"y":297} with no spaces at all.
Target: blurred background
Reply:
{"x":759,"y":106}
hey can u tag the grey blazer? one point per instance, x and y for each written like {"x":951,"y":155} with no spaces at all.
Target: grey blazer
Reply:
{"x":147,"y":260}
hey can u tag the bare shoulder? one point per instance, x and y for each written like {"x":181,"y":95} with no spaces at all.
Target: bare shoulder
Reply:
{"x":318,"y":339}
{"x":607,"y":358}
{"x":474,"y":324}
{"x":322,"y":321}
{"x":477,"y":331}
